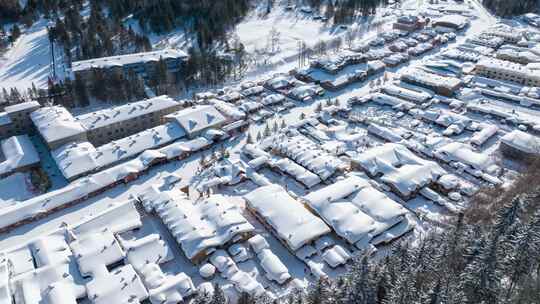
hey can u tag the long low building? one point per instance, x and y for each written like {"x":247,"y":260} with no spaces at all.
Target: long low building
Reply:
{"x":118,"y":122}
{"x":292,"y":223}
{"x":442,"y":85}
{"x":508,"y":71}
{"x":199,"y":227}
{"x":80,"y":158}
{"x":143,"y":64}
{"x":57,"y":126}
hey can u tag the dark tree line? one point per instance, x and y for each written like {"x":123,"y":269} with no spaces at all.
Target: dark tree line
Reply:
{"x":98,"y":36}
{"x":344,"y":11}
{"x":509,"y":8}
{"x":208,"y":19}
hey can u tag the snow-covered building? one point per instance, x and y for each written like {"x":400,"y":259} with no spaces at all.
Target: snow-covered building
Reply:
{"x":143,"y":64}
{"x":17,"y":154}
{"x":197,"y":119}
{"x":409,"y":23}
{"x":520,"y":145}
{"x":517,"y":55}
{"x":356,"y":211}
{"x":334,"y":64}
{"x":456,"y":22}
{"x":508,"y":71}
{"x":508,"y":33}
{"x":486,"y":132}
{"x":279,"y":82}
{"x":80,"y":158}
{"x":166,"y":289}
{"x":399,"y":168}
{"x":408,"y":94}
{"x":285,"y":216}
{"x":118,"y":122}
{"x":306,"y":93}
{"x":478,"y":163}
{"x":442,"y":85}
{"x":15,"y":119}
{"x":198,"y":227}
{"x":57,"y":126}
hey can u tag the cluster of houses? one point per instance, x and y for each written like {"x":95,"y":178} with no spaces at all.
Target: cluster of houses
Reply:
{"x":410,"y":38}
{"x":99,"y":260}
{"x":337,"y":183}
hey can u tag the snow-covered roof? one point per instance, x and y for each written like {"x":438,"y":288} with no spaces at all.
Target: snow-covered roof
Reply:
{"x":336,"y":256}
{"x":517,"y":54}
{"x":197,"y":118}
{"x":106,"y":117}
{"x":392,"y":101}
{"x":347,"y":220}
{"x":400,"y":167}
{"x":507,"y":67}
{"x":76,"y":159}
{"x":122,"y":285}
{"x":200,"y":226}
{"x":405,"y":93}
{"x":278,"y":82}
{"x":51,"y":284}
{"x":169,"y":289}
{"x":487,"y":131}
{"x":457,"y":21}
{"x":51,"y":249}
{"x":456,"y":151}
{"x":293,"y":223}
{"x":306,"y":153}
{"x":430,"y":79}
{"x":522,"y":141}
{"x":227,"y":109}
{"x":306,"y":177}
{"x":22,"y":106}
{"x":348,"y":206}
{"x":273,"y":99}
{"x":96,"y":250}
{"x":121,"y":60}
{"x":274,"y":269}
{"x":55,"y":123}
{"x":18,"y":152}
{"x":149,"y":249}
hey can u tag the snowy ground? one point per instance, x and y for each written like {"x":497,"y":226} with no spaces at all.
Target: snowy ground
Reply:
{"x":28,"y":61}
